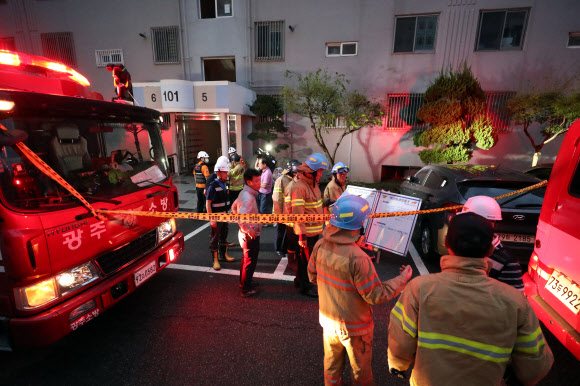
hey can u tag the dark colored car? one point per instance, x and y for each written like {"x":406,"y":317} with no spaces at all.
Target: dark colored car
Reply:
{"x":541,"y":171}
{"x":448,"y":185}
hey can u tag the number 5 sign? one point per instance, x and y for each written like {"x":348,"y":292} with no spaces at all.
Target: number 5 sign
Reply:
{"x":205,"y":97}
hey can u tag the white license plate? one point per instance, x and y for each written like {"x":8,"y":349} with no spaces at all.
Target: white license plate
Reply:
{"x":561,"y":287}
{"x":528,"y":239}
{"x":145,"y":273}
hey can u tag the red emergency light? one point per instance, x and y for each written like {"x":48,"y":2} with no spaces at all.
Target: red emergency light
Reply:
{"x":9,"y":58}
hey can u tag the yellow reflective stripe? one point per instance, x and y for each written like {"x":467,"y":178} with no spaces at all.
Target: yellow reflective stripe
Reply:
{"x":313,"y":204}
{"x":408,"y":325}
{"x":479,"y":350}
{"x":530,"y":343}
{"x":314,"y":228}
{"x":364,"y":208}
{"x":287,"y":199}
{"x":278,"y":190}
{"x":347,"y":214}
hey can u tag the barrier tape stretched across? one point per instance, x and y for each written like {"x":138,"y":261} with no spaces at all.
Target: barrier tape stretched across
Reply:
{"x":288,"y":218}
{"x":43,"y":167}
{"x":225,"y":217}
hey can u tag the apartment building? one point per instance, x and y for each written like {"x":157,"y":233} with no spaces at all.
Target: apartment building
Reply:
{"x":389,"y":49}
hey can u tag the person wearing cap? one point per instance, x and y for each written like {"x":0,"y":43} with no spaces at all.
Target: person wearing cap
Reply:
{"x":504,"y":267}
{"x":265,"y":164}
{"x":288,"y":173}
{"x":236,"y":176}
{"x":336,"y":186}
{"x":305,"y":198}
{"x":201,"y":173}
{"x":461,"y":327}
{"x":249,"y":234}
{"x":218,"y":201}
{"x":347,"y":287}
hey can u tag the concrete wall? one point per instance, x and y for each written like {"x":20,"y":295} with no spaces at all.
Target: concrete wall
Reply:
{"x":544,"y":62}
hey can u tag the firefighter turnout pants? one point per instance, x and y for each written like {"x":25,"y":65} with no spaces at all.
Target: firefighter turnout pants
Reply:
{"x":360,"y":354}
{"x":303,"y":258}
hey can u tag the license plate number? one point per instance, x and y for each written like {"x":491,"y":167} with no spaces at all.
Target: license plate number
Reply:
{"x":145,"y":273}
{"x":528,"y":239}
{"x":562,"y":288}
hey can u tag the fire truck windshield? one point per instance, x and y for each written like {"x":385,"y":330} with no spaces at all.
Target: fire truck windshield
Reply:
{"x":102,"y":160}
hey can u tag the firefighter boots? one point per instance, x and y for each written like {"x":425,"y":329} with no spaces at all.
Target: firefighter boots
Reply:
{"x":292,"y":263}
{"x":216,"y":263}
{"x":223,"y":253}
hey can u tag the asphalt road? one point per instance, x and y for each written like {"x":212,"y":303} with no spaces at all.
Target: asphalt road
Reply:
{"x":189,"y":325}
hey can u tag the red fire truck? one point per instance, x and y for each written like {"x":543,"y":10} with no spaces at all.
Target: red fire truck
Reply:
{"x":60,"y":266}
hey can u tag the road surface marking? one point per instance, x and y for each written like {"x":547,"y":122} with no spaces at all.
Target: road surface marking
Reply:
{"x":281,"y":267}
{"x":201,"y":228}
{"x":232,"y":272}
{"x":417,"y":260}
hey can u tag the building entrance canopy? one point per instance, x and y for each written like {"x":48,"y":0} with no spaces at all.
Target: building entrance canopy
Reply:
{"x":173,"y":95}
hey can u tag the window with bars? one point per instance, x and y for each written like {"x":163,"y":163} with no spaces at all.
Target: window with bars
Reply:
{"x":7,"y":44}
{"x":105,"y":57}
{"x":401,"y":112}
{"x":165,"y":45}
{"x":342,"y":49}
{"x":269,"y":40}
{"x":501,"y":30}
{"x":59,"y":46}
{"x":415,"y":33}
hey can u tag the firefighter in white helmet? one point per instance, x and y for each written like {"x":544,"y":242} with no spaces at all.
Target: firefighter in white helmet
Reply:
{"x":218,"y":201}
{"x":505,"y":267}
{"x":201,"y":173}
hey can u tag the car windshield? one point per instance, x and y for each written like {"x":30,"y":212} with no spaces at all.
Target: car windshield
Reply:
{"x":531,"y":199}
{"x":100,"y":159}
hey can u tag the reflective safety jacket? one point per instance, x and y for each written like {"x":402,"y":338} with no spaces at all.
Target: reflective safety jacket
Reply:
{"x":461,"y":327}
{"x":236,"y":175}
{"x":305,"y":199}
{"x":218,"y":194}
{"x":347,"y":283}
{"x":201,"y":173}
{"x":278,"y":193}
{"x":332,"y":192}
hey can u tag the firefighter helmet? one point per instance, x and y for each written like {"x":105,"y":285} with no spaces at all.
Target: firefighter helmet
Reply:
{"x":350,"y":212}
{"x":232,"y":150}
{"x":292,"y":166}
{"x":222,"y":164}
{"x":340,"y":168}
{"x":202,"y":154}
{"x":314,"y":162}
{"x":484,"y":206}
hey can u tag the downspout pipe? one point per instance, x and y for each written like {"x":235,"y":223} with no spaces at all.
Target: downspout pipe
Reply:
{"x":186,"y":59}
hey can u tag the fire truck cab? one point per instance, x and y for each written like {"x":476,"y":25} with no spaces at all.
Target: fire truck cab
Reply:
{"x":552,"y":283}
{"x":60,"y":266}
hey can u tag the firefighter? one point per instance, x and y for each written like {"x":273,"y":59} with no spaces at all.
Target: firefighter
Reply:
{"x":460,"y":326}
{"x":232,"y":151}
{"x":305,"y":198}
{"x":218,"y":201}
{"x":505,"y":267}
{"x":347,"y":287}
{"x":292,"y":247}
{"x":201,"y":173}
{"x":336,"y":186}
{"x":236,"y":175}
{"x":278,"y":199}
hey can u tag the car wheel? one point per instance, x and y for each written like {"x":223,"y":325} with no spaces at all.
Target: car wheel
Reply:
{"x":427,"y":245}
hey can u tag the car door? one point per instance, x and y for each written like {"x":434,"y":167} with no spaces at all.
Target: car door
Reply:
{"x":415,"y":187}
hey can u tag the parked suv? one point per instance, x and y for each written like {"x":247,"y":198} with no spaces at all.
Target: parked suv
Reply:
{"x":449,"y":185}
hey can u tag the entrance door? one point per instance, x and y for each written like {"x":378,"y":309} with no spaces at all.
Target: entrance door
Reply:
{"x":200,"y":133}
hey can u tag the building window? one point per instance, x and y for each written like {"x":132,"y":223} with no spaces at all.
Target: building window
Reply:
{"x":59,"y":46}
{"x":165,"y":45}
{"x":501,"y":30}
{"x":402,"y":111}
{"x":415,"y":33}
{"x":210,"y":9}
{"x":574,"y":40}
{"x":7,"y":44}
{"x":269,"y":40}
{"x":342,"y":49}
{"x":105,"y":57}
{"x":219,"y":69}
